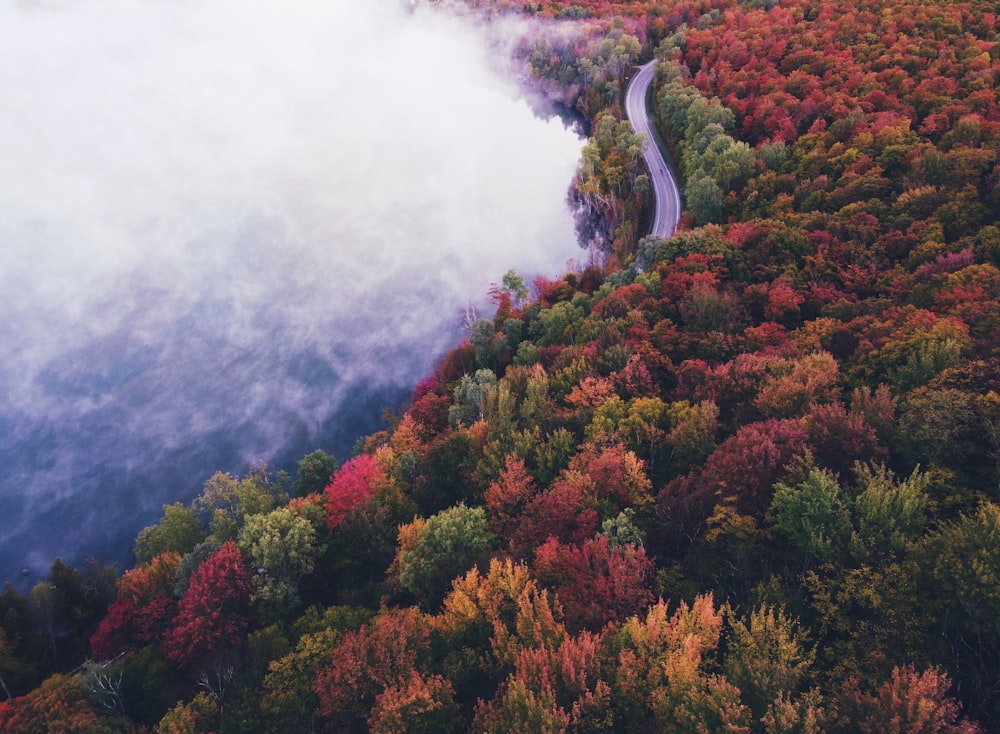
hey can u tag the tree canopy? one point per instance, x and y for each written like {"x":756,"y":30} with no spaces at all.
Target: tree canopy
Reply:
{"x":744,"y":479}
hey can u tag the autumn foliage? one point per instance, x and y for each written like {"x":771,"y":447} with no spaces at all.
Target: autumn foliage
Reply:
{"x":214,"y":612}
{"x":741,"y":480}
{"x":350,"y":486}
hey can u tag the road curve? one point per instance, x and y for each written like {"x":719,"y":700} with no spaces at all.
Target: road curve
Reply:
{"x":668,"y":196}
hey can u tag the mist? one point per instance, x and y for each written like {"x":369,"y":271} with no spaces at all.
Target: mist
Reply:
{"x":235,"y":231}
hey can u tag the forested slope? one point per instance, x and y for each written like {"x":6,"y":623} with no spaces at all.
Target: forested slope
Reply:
{"x":742,"y":480}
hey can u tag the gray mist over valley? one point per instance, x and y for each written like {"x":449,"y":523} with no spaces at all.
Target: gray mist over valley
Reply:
{"x":233,"y":231}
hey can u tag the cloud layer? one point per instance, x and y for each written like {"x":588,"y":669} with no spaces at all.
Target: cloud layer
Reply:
{"x":226,"y":228}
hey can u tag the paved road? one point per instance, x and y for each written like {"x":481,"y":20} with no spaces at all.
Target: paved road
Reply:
{"x":668,"y":196}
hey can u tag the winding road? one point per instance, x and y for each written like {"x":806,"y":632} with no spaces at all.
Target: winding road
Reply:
{"x":668,"y":196}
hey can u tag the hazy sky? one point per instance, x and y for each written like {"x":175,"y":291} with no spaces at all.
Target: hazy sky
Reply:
{"x":220,"y":218}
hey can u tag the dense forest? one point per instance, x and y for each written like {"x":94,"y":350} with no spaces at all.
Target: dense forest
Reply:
{"x":745,"y":480}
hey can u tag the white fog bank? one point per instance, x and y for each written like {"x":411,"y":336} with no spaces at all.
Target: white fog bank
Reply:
{"x":223,"y":224}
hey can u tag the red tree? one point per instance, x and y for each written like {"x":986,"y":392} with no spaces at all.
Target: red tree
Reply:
{"x":57,"y":705}
{"x":506,"y":498}
{"x":909,"y":703}
{"x":144,"y":607}
{"x":748,"y":464}
{"x":351,"y":485}
{"x":596,"y":582}
{"x":368,"y":661}
{"x":565,"y":512}
{"x":215,"y":610}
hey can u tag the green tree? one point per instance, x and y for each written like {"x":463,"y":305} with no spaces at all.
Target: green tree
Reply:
{"x":281,"y":547}
{"x":704,"y":198}
{"x":673,"y":100}
{"x":289,"y":690}
{"x":447,"y":546}
{"x":179,"y":530}
{"x":814,"y":515}
{"x":230,"y":500}
{"x":966,"y":564}
{"x":937,"y":426}
{"x":314,"y":473}
{"x":622,"y":530}
{"x":558,"y":324}
{"x":767,"y":658}
{"x":481,"y":337}
{"x":703,"y":113}
{"x":962,"y":562}
{"x":889,"y":514}
{"x":470,"y":396}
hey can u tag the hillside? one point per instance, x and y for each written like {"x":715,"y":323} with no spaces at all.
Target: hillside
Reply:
{"x":745,"y":479}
